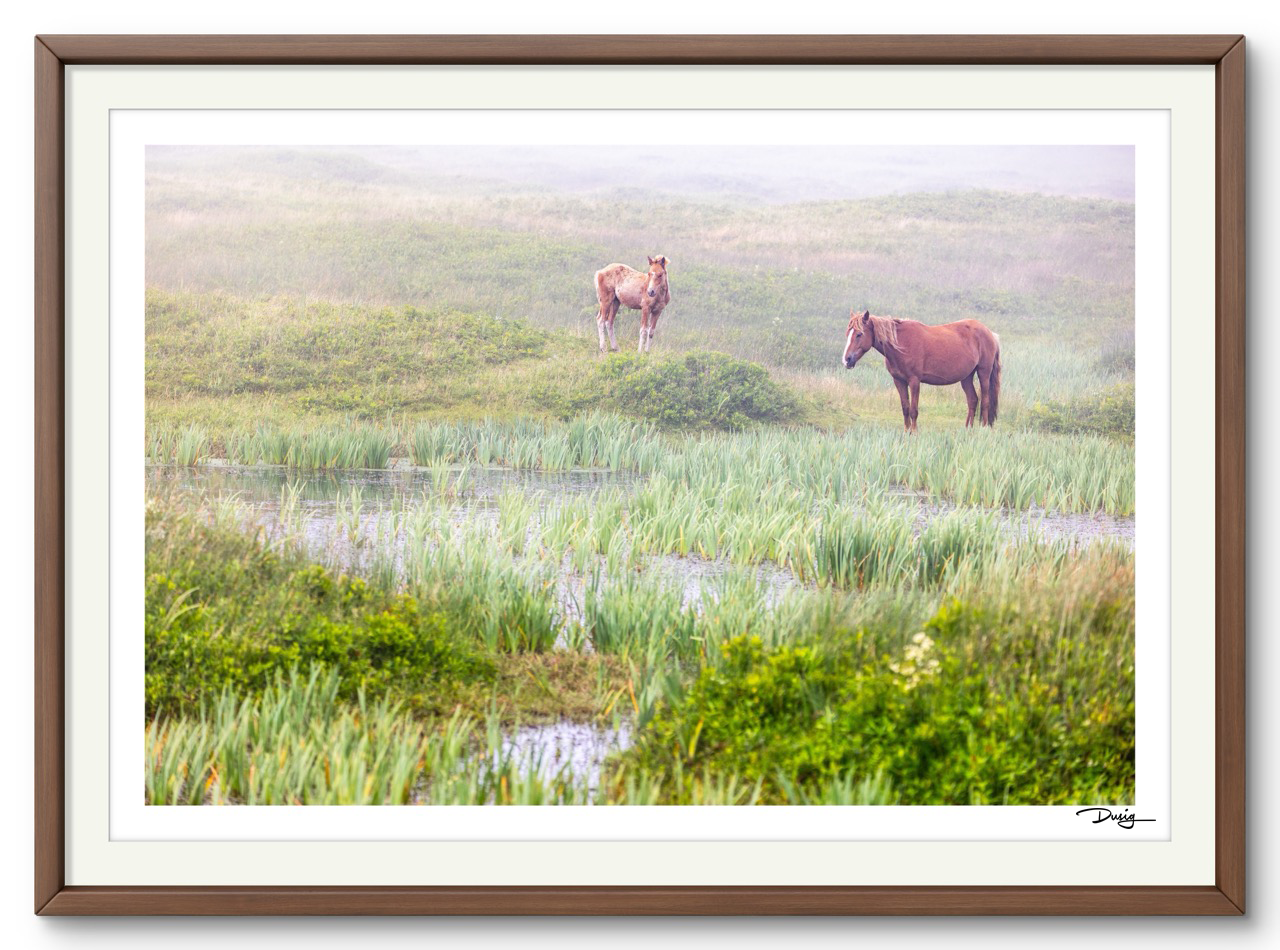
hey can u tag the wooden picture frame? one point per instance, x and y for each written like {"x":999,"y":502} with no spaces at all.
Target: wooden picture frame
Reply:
{"x":52,"y":53}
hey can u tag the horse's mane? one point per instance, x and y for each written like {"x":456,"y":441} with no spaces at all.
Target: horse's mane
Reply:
{"x":886,"y":330}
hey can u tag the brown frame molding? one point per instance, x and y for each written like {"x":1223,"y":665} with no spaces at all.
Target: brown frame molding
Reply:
{"x":53,"y":53}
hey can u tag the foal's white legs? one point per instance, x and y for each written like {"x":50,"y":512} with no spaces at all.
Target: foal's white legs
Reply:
{"x":604,"y":326}
{"x":646,"y":336}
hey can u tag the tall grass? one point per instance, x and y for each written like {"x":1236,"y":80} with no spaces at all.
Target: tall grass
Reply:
{"x":605,"y":570}
{"x":297,"y":743}
{"x":356,"y":446}
{"x":590,"y":441}
{"x":1020,"y":470}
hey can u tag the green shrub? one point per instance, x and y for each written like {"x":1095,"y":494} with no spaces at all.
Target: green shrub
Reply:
{"x":696,"y":391}
{"x":1107,"y":412}
{"x":986,"y":705}
{"x":223,"y":610}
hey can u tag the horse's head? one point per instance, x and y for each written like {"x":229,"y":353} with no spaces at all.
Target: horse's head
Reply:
{"x":862,"y":337}
{"x":657,"y":276}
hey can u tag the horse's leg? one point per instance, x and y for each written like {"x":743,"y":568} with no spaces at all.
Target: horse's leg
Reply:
{"x":613,"y":315}
{"x":605,"y":296}
{"x":971,"y":396}
{"x":914,"y":383}
{"x":644,"y":329}
{"x":906,"y":403}
{"x":985,"y":389}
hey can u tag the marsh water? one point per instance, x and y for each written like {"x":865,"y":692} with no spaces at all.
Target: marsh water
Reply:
{"x":576,"y":748}
{"x":347,"y":518}
{"x":324,"y":512}
{"x":332,"y":508}
{"x":320,"y":497}
{"x":402,"y":488}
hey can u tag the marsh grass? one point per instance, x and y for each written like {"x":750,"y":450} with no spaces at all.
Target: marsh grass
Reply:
{"x":652,"y":645}
{"x":696,"y":478}
{"x":297,"y":743}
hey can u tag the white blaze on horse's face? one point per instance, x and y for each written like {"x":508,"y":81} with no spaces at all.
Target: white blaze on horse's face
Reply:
{"x":657,"y":275}
{"x":846,"y":358}
{"x":857,"y":342}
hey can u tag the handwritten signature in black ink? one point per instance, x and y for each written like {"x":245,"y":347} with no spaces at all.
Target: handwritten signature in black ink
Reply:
{"x":1124,"y":818}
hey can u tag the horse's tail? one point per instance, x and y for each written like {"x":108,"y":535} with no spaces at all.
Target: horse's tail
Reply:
{"x":993,"y":385}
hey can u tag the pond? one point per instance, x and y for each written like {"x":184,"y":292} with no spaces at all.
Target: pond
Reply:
{"x":320,"y":498}
{"x":579,"y":747}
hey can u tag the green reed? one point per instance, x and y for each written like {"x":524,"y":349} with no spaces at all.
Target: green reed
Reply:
{"x":1014,"y":469}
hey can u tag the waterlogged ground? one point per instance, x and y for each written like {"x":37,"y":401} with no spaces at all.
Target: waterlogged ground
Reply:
{"x":1036,"y":522}
{"x":324,"y":502}
{"x":573,"y":748}
{"x":472,"y":494}
{"x":345,"y":517}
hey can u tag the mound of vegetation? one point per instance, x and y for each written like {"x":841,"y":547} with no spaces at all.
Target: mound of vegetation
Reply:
{"x":1106,"y":412}
{"x":216,"y":360}
{"x":991,"y":703}
{"x":696,"y":391}
{"x":225,"y":611}
{"x":324,"y":355}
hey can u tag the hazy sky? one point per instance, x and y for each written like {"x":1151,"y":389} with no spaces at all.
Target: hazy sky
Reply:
{"x":751,"y":173}
{"x":792,"y":173}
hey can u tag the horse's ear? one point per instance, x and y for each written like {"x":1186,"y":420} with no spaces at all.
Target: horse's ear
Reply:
{"x":663,"y":261}
{"x":866,"y":317}
{"x":651,"y":261}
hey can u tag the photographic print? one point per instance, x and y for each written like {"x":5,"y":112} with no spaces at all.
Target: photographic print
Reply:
{"x":559,"y":473}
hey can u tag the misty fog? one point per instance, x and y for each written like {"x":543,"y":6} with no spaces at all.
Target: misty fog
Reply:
{"x":774,"y":174}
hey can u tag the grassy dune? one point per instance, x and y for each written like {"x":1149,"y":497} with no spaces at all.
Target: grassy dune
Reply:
{"x":772,"y":283}
{"x":225,"y":361}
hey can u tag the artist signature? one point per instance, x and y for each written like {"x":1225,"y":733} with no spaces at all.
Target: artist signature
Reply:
{"x":1125,"y":819}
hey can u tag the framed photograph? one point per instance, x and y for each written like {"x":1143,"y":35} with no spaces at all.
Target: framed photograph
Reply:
{"x":523,"y":475}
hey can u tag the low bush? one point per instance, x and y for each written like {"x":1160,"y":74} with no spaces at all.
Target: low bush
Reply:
{"x":224,"y":610}
{"x":986,"y":705}
{"x":696,"y":391}
{"x":1107,"y":412}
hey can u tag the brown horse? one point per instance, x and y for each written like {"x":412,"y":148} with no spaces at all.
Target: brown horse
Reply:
{"x":646,"y":291}
{"x":915,"y":353}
